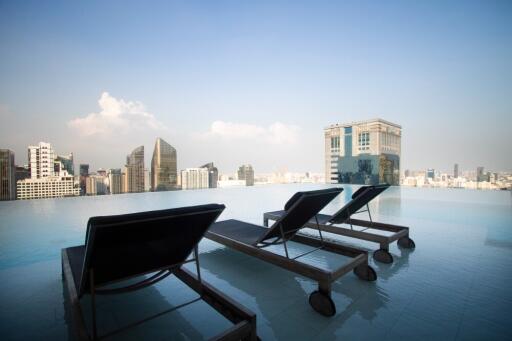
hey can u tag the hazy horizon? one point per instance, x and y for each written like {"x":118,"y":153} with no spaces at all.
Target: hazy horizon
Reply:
{"x":235,"y":83}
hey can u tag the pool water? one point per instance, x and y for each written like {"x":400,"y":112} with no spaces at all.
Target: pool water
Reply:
{"x":454,"y":286}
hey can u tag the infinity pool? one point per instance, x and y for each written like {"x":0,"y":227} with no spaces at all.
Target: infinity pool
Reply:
{"x":456,"y":284}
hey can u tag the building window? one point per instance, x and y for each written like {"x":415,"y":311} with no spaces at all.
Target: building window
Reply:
{"x":335,"y":142}
{"x":364,"y":140}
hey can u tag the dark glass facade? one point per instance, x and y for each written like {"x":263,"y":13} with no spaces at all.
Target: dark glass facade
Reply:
{"x":369,"y":169}
{"x":213,"y":174}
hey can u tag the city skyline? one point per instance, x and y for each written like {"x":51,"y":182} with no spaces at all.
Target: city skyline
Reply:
{"x":252,"y":83}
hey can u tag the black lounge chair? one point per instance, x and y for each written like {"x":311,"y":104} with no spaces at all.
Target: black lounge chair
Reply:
{"x":132,"y":245}
{"x":358,"y":204}
{"x":252,"y":240}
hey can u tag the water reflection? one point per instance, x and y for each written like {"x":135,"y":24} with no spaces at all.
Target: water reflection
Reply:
{"x":276,"y":290}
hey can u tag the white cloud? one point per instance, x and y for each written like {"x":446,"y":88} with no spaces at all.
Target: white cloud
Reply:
{"x":116,"y":116}
{"x":276,"y":133}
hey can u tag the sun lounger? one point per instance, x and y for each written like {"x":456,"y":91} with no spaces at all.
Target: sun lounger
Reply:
{"x":253,"y":239}
{"x":358,"y":204}
{"x":155,"y":244}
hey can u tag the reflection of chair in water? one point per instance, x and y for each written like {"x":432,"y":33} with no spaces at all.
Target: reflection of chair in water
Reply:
{"x":254,"y":239}
{"x":360,"y":200}
{"x":272,"y":300}
{"x":157,"y":244}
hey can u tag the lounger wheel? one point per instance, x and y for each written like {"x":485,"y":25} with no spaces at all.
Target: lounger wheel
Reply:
{"x":383,"y":256}
{"x":365,"y":272}
{"x":406,"y":243}
{"x":322,"y":303}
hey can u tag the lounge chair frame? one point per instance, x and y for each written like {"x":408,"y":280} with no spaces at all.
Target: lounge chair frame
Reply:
{"x":320,"y":300}
{"x":244,"y":320}
{"x":400,"y":233}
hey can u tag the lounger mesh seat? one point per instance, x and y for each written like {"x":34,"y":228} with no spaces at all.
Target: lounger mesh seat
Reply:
{"x":155,"y":243}
{"x":358,"y":204}
{"x":240,"y":231}
{"x":252,"y":240}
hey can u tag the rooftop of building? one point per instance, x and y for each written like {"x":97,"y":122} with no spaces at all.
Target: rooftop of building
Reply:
{"x":354,"y":123}
{"x":455,"y":285}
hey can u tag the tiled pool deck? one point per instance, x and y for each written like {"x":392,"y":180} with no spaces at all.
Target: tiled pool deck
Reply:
{"x":456,"y":284}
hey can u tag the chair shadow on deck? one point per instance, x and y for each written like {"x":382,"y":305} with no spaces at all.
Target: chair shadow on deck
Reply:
{"x":117,"y":312}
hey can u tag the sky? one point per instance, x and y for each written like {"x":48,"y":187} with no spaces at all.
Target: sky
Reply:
{"x":256,"y":82}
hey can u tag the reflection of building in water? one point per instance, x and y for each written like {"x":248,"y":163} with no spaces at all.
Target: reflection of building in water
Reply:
{"x":366,"y":152}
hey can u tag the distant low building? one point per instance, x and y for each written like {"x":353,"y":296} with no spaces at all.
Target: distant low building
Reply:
{"x":48,"y":187}
{"x":194,"y":178}
{"x":246,"y":172}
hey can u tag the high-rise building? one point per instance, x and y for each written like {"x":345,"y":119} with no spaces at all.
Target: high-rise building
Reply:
{"x":7,"y":175}
{"x":115,"y":181}
{"x":456,"y":171}
{"x":124,"y":181}
{"x":194,"y":178}
{"x":84,"y":173}
{"x":90,"y":185}
{"x":41,"y":160}
{"x":135,"y":170}
{"x":430,"y":173}
{"x":246,"y":172}
{"x":84,"y":169}
{"x":164,"y":173}
{"x":48,"y":176}
{"x":95,"y":184}
{"x":366,"y":152}
{"x":147,"y":180}
{"x":213,"y":174}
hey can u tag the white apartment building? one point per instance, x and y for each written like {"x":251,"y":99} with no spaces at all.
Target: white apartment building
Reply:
{"x":49,"y":187}
{"x":44,"y":182}
{"x":194,"y":178}
{"x":364,"y":152}
{"x":40,"y":160}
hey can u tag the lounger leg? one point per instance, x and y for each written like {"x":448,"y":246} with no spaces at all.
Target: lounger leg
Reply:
{"x":93,"y":305}
{"x":321,"y":300}
{"x":406,"y":242}
{"x":382,"y":255}
{"x":265,"y":221}
{"x":365,"y":272}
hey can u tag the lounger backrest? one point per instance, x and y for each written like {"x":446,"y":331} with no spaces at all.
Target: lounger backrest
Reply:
{"x":123,"y":246}
{"x":360,"y":198}
{"x":300,"y":209}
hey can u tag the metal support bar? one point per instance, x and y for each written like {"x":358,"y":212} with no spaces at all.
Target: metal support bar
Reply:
{"x":196,"y":257}
{"x":131,"y":325}
{"x":307,"y":253}
{"x":319,"y":229}
{"x":284,"y":240}
{"x":369,"y":214}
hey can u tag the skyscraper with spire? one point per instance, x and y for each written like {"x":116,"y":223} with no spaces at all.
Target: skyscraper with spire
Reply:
{"x":163,"y":167}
